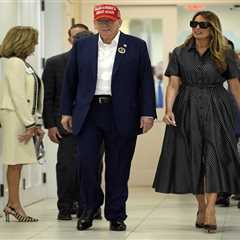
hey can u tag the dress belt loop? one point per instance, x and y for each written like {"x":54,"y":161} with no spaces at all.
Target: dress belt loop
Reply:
{"x":203,"y":85}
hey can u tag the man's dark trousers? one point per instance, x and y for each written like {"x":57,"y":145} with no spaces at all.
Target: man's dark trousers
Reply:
{"x":98,"y":127}
{"x":68,"y":173}
{"x":66,"y":170}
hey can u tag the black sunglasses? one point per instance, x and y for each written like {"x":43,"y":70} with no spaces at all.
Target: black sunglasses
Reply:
{"x":204,"y":25}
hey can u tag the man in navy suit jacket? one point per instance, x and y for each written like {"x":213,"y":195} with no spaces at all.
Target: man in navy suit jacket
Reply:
{"x":108,"y":96}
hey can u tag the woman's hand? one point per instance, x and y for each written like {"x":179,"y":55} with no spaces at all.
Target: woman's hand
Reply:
{"x":171,"y":94}
{"x":25,"y":137}
{"x":39,"y":132}
{"x":169,"y":119}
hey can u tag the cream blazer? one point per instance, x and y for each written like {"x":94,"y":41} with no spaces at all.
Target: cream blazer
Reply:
{"x":17,"y":91}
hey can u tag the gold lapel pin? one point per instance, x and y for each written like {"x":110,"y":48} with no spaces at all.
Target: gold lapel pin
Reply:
{"x":121,"y":50}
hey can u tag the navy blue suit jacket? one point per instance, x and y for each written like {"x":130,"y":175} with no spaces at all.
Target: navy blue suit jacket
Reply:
{"x":132,"y":84}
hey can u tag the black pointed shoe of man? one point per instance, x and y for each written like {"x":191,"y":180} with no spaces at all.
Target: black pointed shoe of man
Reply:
{"x":97,"y":214}
{"x":118,"y":226}
{"x":64,"y":215}
{"x":86,"y":219}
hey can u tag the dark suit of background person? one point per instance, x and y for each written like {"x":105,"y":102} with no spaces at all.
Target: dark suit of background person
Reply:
{"x":53,"y":76}
{"x":237,"y":132}
{"x":114,"y":119}
{"x":223,"y":199}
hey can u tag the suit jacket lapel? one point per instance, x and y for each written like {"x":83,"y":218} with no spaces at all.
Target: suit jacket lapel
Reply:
{"x":119,"y":56}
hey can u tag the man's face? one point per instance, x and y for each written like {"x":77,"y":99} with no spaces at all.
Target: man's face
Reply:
{"x":107,"y":29}
{"x":73,"y":32}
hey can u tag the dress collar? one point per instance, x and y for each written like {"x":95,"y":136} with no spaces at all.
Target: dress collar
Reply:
{"x":192,"y":47}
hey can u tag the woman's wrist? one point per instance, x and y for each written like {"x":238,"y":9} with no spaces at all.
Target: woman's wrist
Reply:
{"x":168,"y":110}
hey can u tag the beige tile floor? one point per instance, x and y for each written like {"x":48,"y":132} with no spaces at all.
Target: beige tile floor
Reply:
{"x":152,"y":216}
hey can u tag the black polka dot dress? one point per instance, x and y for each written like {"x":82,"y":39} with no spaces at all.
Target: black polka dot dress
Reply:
{"x":200,"y":154}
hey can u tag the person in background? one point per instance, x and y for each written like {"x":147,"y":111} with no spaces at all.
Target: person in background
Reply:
{"x":199,"y":152}
{"x":237,"y":196}
{"x":67,"y":180}
{"x":108,"y":96}
{"x":158,"y":83}
{"x":21,"y":100}
{"x":223,"y":199}
{"x":237,"y":132}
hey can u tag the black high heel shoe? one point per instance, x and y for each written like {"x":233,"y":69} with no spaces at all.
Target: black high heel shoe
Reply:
{"x":197,"y":224}
{"x":11,"y":211}
{"x":210,"y":228}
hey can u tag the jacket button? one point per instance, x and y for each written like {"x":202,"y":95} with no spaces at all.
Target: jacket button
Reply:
{"x":28,"y":101}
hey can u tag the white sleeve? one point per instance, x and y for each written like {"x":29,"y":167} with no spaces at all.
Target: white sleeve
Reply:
{"x":15,"y":73}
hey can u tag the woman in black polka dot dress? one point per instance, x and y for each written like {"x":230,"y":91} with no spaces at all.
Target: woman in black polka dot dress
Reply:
{"x":199,"y":153}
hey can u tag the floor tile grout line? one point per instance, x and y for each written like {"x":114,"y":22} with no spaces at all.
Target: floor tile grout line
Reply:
{"x":147,"y":215}
{"x":35,"y":234}
{"x":226,"y":216}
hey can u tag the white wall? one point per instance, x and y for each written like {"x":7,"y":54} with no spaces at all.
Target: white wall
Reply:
{"x":8,"y":16}
{"x":54,"y":28}
{"x":29,"y":14}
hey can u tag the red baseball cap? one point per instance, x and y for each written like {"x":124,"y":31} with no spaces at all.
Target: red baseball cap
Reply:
{"x":106,"y":11}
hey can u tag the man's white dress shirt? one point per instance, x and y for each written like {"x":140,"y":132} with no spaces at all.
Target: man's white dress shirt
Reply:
{"x":106,"y":57}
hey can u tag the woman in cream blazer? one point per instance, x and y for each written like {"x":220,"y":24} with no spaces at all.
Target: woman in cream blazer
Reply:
{"x":21,"y":98}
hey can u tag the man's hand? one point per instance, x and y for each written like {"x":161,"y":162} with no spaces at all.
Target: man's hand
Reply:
{"x":54,"y":134}
{"x":67,"y":123}
{"x":169,"y":119}
{"x":146,"y":123}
